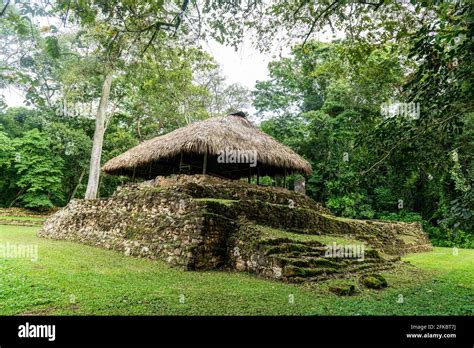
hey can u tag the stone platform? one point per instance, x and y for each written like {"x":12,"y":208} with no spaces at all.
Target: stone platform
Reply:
{"x":202,"y":222}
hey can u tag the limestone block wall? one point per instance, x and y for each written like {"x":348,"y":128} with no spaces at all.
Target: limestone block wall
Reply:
{"x":145,"y":223}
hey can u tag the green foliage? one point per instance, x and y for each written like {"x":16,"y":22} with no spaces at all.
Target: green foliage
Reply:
{"x":7,"y":150}
{"x":39,"y":169}
{"x":272,"y":22}
{"x":117,"y":141}
{"x":331,"y":126}
{"x":170,"y":73}
{"x":6,"y":157}
{"x":351,"y":205}
{"x":448,"y":237}
{"x":52,"y":47}
{"x":15,"y":121}
{"x":60,"y":74}
{"x":364,"y":162}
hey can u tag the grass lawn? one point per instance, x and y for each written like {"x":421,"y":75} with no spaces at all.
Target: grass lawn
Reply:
{"x":32,"y":218}
{"x":70,"y":278}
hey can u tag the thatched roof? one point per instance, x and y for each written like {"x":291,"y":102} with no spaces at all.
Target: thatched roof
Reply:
{"x":162,"y":155}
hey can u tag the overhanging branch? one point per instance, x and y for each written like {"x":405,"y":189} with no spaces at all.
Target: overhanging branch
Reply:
{"x":317,"y":18}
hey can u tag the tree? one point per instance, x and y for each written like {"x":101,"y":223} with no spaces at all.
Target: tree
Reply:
{"x":74,"y":63}
{"x":277,"y":23}
{"x":6,"y":159}
{"x":320,"y":106}
{"x":98,"y":140}
{"x":222,"y":98}
{"x":39,"y":171}
{"x":160,"y":92}
{"x":119,"y":34}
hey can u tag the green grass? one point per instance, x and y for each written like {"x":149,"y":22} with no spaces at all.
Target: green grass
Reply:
{"x":227,"y":202}
{"x":71,"y":278}
{"x":32,"y":218}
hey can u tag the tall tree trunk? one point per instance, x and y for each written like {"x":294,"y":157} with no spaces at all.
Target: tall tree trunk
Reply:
{"x":139,"y":132}
{"x":77,"y":186}
{"x":94,"y":170}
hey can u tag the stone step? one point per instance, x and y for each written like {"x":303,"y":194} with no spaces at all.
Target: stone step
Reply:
{"x":306,"y":261}
{"x":348,"y":272}
{"x":296,"y":248}
{"x":286,"y":240}
{"x":302,"y":260}
{"x":354,"y":266}
{"x":304,"y":272}
{"x":322,"y":262}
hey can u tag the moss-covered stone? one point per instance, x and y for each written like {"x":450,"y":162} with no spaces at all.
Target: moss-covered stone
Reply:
{"x":343,"y":289}
{"x":374,"y":281}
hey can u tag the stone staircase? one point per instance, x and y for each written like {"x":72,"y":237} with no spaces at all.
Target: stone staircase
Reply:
{"x":294,"y":258}
{"x":21,"y":217}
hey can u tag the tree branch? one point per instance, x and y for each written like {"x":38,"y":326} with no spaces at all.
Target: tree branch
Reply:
{"x":67,"y":12}
{"x":4,"y":8}
{"x":300,"y":6}
{"x":398,"y":144}
{"x":315,"y":21}
{"x":151,"y":40}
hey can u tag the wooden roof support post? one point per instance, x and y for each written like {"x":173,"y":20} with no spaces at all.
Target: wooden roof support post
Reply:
{"x":258,"y":176}
{"x":204,"y":166}
{"x":250,"y":174}
{"x":180,"y":162}
{"x":284,"y":179}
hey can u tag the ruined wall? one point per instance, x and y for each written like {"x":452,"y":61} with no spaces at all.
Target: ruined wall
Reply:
{"x":202,"y":186}
{"x":200,"y":222}
{"x":146,"y":222}
{"x":285,"y":257}
{"x":391,"y":237}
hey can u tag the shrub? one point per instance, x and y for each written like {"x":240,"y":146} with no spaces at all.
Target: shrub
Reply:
{"x":449,"y":238}
{"x":402,"y":215}
{"x":351,"y":206}
{"x":39,"y":171}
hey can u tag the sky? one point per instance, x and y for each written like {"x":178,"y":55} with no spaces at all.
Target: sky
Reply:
{"x":245,"y":66}
{"x":248,"y":65}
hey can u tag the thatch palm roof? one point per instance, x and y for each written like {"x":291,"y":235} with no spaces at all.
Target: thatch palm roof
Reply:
{"x":164,"y":154}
